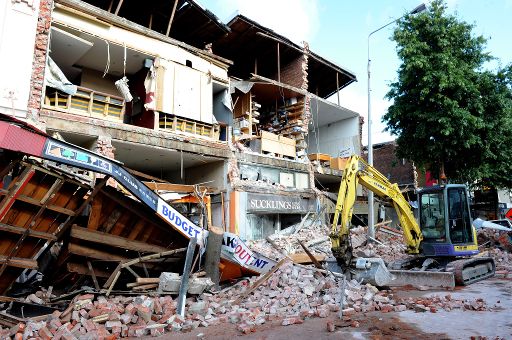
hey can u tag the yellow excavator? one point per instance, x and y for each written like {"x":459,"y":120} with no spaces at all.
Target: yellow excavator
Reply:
{"x":443,"y":240}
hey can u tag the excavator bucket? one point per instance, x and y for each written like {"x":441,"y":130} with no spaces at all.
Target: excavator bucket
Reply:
{"x":373,"y":271}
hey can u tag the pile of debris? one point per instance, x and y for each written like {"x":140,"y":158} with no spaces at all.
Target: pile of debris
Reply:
{"x":498,"y":245}
{"x":291,"y":294}
{"x":311,"y":231}
{"x":388,"y":244}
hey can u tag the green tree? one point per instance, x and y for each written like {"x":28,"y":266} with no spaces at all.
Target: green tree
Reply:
{"x":449,"y":114}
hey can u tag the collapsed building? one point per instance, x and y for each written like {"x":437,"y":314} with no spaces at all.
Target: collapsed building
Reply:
{"x":174,"y":95}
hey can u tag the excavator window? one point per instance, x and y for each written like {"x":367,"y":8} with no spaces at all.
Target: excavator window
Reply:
{"x":459,"y":221}
{"x":432,"y":216}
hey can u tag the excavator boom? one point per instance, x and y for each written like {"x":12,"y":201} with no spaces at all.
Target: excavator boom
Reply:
{"x":357,"y":171}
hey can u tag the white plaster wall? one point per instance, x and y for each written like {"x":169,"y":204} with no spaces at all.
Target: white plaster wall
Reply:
{"x":335,"y":138}
{"x":138,"y":42}
{"x":18,"y":21}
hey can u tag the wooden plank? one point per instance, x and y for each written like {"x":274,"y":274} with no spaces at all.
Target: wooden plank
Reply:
{"x":171,"y":18}
{"x":146,"y":287}
{"x":93,"y":275}
{"x":84,"y":270}
{"x":32,"y":233}
{"x":95,"y":215}
{"x":94,"y":253}
{"x":44,"y":203}
{"x":18,"y":262}
{"x":113,"y":241}
{"x":136,"y":229}
{"x":304,"y":258}
{"x":146,"y":280}
{"x":112,"y":220}
{"x":313,"y":259}
{"x":128,"y":206}
{"x":71,"y":219}
{"x":52,"y":207}
{"x":20,"y":182}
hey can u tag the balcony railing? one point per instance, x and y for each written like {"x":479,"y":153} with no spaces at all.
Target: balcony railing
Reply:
{"x":86,"y":102}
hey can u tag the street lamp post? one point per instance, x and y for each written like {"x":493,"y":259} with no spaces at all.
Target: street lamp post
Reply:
{"x":371,"y":216}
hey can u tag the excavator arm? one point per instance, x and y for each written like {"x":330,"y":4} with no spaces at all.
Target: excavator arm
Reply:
{"x":357,"y":171}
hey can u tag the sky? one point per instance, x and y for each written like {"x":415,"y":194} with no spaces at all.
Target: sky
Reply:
{"x":338,"y":31}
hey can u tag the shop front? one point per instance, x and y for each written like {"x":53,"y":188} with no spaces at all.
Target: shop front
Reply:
{"x":256,"y":216}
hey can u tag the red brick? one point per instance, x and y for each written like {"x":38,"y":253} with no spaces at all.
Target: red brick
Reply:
{"x":45,"y":333}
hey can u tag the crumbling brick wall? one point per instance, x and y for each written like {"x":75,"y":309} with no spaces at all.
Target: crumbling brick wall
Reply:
{"x":39,"y":62}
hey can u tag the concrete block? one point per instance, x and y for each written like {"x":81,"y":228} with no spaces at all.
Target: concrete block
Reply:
{"x":169,"y":282}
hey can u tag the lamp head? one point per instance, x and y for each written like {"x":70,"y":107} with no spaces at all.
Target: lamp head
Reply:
{"x":419,"y":9}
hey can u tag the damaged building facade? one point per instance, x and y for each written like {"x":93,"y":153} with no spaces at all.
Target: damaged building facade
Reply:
{"x":177,"y":96}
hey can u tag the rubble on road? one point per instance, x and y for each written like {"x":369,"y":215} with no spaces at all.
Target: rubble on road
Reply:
{"x":292,"y":294}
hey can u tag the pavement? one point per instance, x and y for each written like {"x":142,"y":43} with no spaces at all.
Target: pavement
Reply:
{"x":459,"y":324}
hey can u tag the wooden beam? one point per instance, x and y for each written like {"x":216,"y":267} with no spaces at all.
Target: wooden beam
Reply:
{"x":52,"y":207}
{"x":171,"y":18}
{"x":113,"y":241}
{"x":45,"y":201}
{"x":93,"y":275}
{"x":150,"y":25}
{"x":84,"y":270}
{"x":71,"y":219}
{"x":118,"y":7}
{"x":112,"y":220}
{"x":33,"y":233}
{"x":95,"y":214}
{"x":20,"y":182}
{"x":18,"y":262}
{"x":94,"y":253}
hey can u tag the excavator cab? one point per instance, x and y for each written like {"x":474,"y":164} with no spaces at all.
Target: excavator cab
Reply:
{"x":445,"y":221}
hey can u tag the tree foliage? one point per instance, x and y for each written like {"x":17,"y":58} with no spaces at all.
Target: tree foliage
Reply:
{"x":448,"y":112}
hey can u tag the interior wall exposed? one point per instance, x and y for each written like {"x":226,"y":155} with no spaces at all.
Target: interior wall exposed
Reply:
{"x":336,"y":139}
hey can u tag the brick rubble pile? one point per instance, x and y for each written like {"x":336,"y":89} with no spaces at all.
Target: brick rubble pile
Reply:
{"x":390,"y":245}
{"x":290,"y":295}
{"x":497,"y":244}
{"x":312,"y":232}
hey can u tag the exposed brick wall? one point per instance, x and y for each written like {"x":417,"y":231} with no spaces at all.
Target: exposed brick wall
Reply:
{"x":292,"y":74}
{"x":39,"y":62}
{"x":385,"y":160}
{"x":295,"y":73}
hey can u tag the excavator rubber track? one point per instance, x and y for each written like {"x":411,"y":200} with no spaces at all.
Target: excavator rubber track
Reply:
{"x":468,"y":271}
